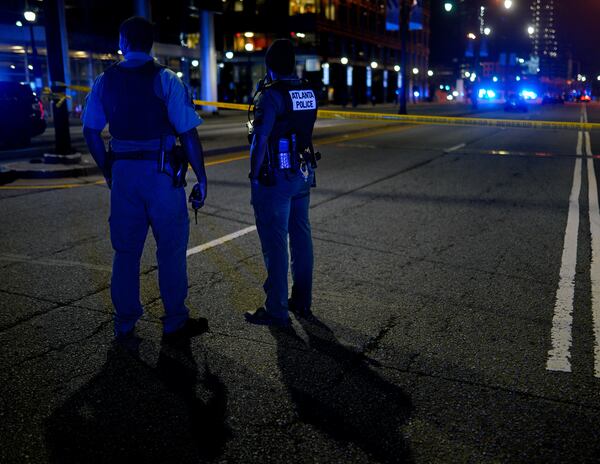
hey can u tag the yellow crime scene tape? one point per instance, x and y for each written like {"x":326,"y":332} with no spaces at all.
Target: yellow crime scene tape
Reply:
{"x":403,"y":118}
{"x":433,"y":120}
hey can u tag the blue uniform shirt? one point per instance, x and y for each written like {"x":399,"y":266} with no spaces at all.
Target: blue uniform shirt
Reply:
{"x":269,"y":106}
{"x":168,"y":87}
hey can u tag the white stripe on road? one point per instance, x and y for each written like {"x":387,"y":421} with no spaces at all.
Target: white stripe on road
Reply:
{"x":595,"y":264}
{"x":220,"y":241}
{"x":98,"y":267}
{"x":559,"y":356}
{"x":456,"y":147}
{"x":53,"y":262}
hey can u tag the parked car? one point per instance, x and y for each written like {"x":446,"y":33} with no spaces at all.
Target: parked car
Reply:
{"x":584,"y":98}
{"x":21,"y":114}
{"x":515,"y":103}
{"x":553,"y":100}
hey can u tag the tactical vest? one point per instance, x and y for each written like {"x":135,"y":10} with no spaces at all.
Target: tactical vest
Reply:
{"x":133,"y":109}
{"x":298,"y":118}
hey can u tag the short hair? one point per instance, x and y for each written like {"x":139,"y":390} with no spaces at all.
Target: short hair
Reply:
{"x":138,"y":32}
{"x":280,"y":57}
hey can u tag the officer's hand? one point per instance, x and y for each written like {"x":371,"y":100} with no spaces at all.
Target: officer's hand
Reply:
{"x":203,"y":186}
{"x":198,"y":194}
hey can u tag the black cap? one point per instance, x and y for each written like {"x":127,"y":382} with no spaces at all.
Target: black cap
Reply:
{"x":280,"y":57}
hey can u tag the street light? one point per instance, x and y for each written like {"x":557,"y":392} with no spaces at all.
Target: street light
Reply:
{"x":415,"y":71}
{"x":448,"y":7}
{"x":487,"y":31}
{"x":229,"y":55}
{"x":430,"y":73}
{"x":397,"y":69}
{"x":598,"y":78}
{"x":471,"y":36}
{"x":374,"y":64}
{"x":508,"y":4}
{"x":195,"y":63}
{"x":19,"y":24}
{"x":29,"y":16}
{"x":344,"y":60}
{"x":530,"y":30}
{"x":249,"y":47}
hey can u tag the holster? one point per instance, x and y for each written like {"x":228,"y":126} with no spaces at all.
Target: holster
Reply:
{"x":266,"y":176}
{"x":108,"y":164}
{"x":179,"y":166}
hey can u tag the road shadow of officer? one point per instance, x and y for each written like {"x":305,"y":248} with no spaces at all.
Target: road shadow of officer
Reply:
{"x":336,"y":391}
{"x":131,"y":412}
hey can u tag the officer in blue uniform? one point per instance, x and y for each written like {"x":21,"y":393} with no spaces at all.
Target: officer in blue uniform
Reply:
{"x":281,"y":175}
{"x":146,"y":106}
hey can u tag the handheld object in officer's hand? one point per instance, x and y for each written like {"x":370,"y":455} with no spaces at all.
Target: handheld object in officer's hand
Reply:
{"x":196,"y":200}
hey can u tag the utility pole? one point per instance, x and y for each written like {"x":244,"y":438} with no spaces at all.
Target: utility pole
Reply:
{"x":404,"y":19}
{"x":208,"y":58}
{"x":60,"y":78}
{"x":142,"y":8}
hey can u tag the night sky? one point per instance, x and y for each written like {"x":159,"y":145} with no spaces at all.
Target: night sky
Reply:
{"x":577,"y":24}
{"x":579,"y":29}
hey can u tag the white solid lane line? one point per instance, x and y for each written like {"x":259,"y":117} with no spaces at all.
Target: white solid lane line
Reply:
{"x":456,"y":147}
{"x":595,"y":264}
{"x":559,"y":356}
{"x":220,"y":241}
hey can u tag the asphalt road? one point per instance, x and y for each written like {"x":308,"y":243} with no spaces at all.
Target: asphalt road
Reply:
{"x":447,"y":263}
{"x":225,"y":130}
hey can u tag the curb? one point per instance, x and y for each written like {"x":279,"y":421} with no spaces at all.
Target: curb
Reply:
{"x":71,"y":171}
{"x":27,"y":170}
{"x":7,"y":176}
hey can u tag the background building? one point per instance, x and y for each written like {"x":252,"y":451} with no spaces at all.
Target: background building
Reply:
{"x":346,"y":47}
{"x":544,"y":39}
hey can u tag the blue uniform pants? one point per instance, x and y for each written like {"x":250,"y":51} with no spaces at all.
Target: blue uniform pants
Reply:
{"x":141,"y":198}
{"x":281,"y":211}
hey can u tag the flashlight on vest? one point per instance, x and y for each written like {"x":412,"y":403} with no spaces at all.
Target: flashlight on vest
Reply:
{"x":195,"y":199}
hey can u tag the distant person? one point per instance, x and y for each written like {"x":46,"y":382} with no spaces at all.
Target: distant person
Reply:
{"x":146,"y":106}
{"x":281,"y":176}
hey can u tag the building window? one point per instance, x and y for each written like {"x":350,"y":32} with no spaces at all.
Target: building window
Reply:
{"x":302,"y":7}
{"x":328,"y":8}
{"x":249,"y":42}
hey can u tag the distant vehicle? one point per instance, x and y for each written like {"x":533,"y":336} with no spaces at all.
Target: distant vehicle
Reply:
{"x":21,"y":114}
{"x":584,"y":98}
{"x":515,"y":103}
{"x":553,"y":100}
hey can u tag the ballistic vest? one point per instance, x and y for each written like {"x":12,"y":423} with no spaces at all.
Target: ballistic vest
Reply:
{"x":299,"y":116}
{"x":131,"y":106}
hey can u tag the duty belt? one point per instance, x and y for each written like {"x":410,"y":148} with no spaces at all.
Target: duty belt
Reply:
{"x":137,"y":155}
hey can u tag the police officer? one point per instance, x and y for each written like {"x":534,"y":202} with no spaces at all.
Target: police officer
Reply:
{"x":146,"y":106}
{"x":281,"y":175}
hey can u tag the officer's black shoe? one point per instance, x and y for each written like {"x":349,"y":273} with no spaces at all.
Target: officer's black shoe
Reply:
{"x":262,"y":317}
{"x":191,"y":328}
{"x":127,"y":340}
{"x":299,"y":311}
